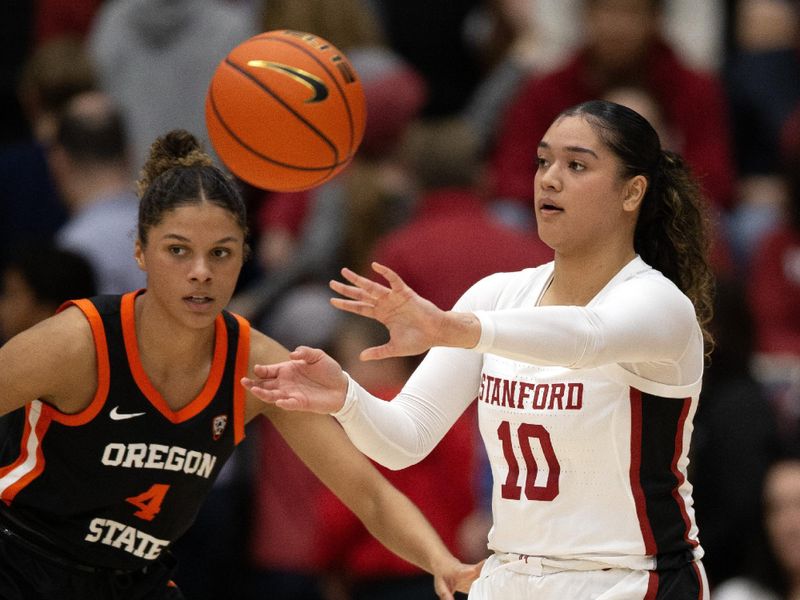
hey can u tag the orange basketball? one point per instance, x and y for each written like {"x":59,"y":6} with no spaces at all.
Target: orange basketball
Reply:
{"x":285,"y":111}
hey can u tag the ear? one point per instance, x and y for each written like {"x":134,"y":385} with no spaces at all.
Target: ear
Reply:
{"x":635,"y":190}
{"x":138,"y":254}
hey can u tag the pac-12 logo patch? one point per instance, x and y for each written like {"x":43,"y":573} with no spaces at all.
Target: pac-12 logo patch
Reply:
{"x":218,"y":426}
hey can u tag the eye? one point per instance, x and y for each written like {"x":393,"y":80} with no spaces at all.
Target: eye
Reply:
{"x":577,"y":166}
{"x":541,"y":162}
{"x":178,"y":250}
{"x":220,"y":252}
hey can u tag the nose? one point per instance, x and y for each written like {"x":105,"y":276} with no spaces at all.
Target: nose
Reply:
{"x":547,"y":177}
{"x":200,"y":270}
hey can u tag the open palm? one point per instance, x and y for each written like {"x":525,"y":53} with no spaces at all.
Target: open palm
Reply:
{"x":414,"y":323}
{"x":309,"y":381}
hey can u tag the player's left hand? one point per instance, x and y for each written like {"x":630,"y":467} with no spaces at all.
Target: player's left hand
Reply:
{"x":414,"y":323}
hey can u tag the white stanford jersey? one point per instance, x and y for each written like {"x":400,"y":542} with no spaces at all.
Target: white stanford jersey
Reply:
{"x":589,"y":460}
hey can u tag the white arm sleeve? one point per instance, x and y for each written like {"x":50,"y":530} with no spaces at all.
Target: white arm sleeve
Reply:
{"x":402,"y":432}
{"x":639,"y":323}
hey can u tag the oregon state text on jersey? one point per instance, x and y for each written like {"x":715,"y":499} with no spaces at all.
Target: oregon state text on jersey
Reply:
{"x":115,"y":484}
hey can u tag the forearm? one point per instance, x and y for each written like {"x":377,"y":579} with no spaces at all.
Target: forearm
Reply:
{"x":385,"y":511}
{"x":400,"y":526}
{"x":402,"y":432}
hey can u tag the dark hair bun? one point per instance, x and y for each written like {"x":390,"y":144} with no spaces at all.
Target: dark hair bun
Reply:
{"x":178,"y":148}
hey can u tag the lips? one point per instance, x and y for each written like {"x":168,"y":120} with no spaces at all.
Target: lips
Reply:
{"x":198,"y":299}
{"x":549,"y":207}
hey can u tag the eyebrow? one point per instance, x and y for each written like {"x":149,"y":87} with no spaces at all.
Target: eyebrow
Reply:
{"x":578,"y":149}
{"x":180,"y":238}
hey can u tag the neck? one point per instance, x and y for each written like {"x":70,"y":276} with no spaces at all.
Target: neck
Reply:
{"x":165,"y":341}
{"x":578,"y":278}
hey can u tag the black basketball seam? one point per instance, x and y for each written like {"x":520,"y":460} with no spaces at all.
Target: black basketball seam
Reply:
{"x":247,"y":147}
{"x":280,"y":100}
{"x":270,"y":36}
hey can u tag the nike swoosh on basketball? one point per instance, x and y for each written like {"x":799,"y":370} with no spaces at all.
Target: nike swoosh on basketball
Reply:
{"x":314,"y":83}
{"x":118,"y":416}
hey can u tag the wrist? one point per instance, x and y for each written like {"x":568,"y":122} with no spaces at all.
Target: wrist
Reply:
{"x":443,"y":562}
{"x":460,"y":330}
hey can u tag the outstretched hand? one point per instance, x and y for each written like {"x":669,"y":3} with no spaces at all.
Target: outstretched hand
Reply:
{"x":414,"y":323}
{"x":309,"y":381}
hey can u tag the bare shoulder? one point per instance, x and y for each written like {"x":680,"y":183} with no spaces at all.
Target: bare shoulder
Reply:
{"x":264,"y":350}
{"x":53,"y":360}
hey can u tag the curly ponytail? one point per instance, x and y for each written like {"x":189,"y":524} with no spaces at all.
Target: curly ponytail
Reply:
{"x":672,"y":234}
{"x":673,"y":229}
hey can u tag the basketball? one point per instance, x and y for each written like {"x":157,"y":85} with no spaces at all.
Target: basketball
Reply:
{"x":285,"y":111}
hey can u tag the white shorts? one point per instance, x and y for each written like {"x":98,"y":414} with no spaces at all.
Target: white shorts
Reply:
{"x":503,"y":579}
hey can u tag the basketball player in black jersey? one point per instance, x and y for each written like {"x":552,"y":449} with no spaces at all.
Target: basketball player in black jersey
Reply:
{"x":126,"y":407}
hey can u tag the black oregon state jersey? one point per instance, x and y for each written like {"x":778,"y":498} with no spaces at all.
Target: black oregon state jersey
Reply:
{"x":115,"y":484}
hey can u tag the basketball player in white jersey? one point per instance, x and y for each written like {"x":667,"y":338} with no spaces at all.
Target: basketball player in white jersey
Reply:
{"x":587,"y":372}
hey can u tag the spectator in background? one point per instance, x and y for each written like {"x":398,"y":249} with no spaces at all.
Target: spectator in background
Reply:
{"x":762,"y":80}
{"x":30,"y":208}
{"x":433,"y":42}
{"x":90,"y":163}
{"x":773,"y":572}
{"x":450,"y":215}
{"x":735,"y":438}
{"x":36,"y":280}
{"x":156,"y":58}
{"x":774,"y":283}
{"x":16,"y":31}
{"x":624,"y":45}
{"x":773,"y":287}
{"x":54,"y":18}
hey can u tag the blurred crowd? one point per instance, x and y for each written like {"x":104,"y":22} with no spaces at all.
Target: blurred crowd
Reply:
{"x":458,"y":96}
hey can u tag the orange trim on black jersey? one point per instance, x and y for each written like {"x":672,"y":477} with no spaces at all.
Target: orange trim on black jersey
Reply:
{"x":242,"y":364}
{"x":103,"y":368}
{"x":30,"y":463}
{"x":211,"y":386}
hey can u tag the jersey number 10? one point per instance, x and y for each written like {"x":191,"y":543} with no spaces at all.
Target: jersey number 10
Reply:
{"x":526,"y":432}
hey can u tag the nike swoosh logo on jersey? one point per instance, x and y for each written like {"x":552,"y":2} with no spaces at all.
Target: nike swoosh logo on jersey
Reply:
{"x":118,"y":416}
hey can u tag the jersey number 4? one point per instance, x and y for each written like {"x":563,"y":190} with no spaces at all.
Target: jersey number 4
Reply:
{"x":526,"y":433}
{"x":149,"y":502}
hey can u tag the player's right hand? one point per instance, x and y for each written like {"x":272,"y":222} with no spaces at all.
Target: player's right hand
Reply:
{"x":309,"y":381}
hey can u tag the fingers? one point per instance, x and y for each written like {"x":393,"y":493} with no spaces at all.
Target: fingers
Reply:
{"x":377,"y":353}
{"x":395,"y":282}
{"x":372,"y":288}
{"x":351,"y":306}
{"x":262,"y":389}
{"x":349,"y":291}
{"x":442,"y":590}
